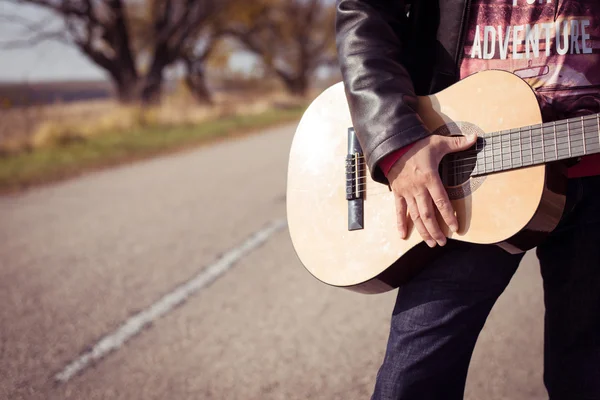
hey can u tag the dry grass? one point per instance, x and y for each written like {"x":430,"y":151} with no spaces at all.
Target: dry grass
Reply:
{"x":31,"y":128}
{"x":65,"y":141}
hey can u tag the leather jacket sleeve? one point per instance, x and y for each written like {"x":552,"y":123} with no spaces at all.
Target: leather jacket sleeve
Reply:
{"x":378,"y":86}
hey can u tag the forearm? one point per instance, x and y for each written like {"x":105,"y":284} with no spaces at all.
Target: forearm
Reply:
{"x":378,"y":86}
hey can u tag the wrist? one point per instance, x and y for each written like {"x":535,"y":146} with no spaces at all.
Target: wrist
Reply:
{"x":388,"y":161}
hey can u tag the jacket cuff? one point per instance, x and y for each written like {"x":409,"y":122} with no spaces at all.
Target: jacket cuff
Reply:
{"x":388,"y":161}
{"x":389,"y":146}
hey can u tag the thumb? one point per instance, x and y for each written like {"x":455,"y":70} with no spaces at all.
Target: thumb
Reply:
{"x":452,"y":144}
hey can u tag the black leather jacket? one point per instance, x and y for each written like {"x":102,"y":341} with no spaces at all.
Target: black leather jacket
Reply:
{"x":387,"y":58}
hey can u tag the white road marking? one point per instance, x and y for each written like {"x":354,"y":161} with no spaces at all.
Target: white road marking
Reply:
{"x":136,"y":323}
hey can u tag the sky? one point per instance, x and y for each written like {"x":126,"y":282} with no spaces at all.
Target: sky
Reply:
{"x":49,"y":60}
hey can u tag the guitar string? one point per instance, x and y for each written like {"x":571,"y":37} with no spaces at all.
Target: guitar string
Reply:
{"x":489,"y":166}
{"x":491,"y":163}
{"x":526,"y":132}
{"x":462,"y":168}
{"x":525,"y":153}
{"x":512,"y":142}
{"x":529,"y":134}
{"x":525,"y":156}
{"x":522,"y":152}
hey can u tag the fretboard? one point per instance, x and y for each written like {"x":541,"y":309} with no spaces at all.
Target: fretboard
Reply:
{"x":538,"y":144}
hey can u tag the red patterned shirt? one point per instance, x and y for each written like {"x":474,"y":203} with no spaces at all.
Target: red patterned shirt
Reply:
{"x":552,"y":44}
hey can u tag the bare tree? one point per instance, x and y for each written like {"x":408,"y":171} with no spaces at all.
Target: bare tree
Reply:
{"x":195,"y":57}
{"x":118,"y":37}
{"x":292,"y":37}
{"x":177,"y":27}
{"x":99,"y":30}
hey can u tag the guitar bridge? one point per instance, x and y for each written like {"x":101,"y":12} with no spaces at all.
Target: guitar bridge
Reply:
{"x":355,"y":182}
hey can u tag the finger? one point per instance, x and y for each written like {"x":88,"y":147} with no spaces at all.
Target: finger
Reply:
{"x":401,"y":216}
{"x":442,"y":202}
{"x":451,"y":144}
{"x":428,"y":216}
{"x":413,"y":211}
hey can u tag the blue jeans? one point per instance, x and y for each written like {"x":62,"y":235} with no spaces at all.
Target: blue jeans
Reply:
{"x":439,"y":314}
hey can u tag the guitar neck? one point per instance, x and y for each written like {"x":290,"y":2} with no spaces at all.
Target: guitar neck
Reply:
{"x":538,"y":144}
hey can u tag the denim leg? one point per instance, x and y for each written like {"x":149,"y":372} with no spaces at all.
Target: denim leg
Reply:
{"x":436,"y":321}
{"x":570,"y":267}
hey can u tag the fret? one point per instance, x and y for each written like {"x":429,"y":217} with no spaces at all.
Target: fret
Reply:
{"x":484,"y":151}
{"x":555,"y":142}
{"x":591,"y":138}
{"x":531,"y":132}
{"x":477,"y":157}
{"x":494,"y":151}
{"x":583,"y":133}
{"x":488,"y":147}
{"x":543,"y":144}
{"x":481,"y":154}
{"x":569,"y":138}
{"x":531,"y":147}
{"x":495,"y":144}
{"x":497,"y":151}
{"x":498,"y":142}
{"x":520,"y":148}
{"x":510,"y":147}
{"x":501,"y":155}
{"x":491,"y":152}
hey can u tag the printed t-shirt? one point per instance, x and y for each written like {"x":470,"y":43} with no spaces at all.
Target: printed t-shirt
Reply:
{"x":554,"y":45}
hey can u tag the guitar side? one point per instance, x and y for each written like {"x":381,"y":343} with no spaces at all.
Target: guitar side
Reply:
{"x":512,"y":209}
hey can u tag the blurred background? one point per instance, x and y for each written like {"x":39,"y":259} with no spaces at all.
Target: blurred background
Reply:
{"x":75,"y":70}
{"x":144,"y":252}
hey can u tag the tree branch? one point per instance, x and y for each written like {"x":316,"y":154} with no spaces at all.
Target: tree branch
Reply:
{"x":33,"y":32}
{"x":34,"y":40}
{"x":63,"y":7}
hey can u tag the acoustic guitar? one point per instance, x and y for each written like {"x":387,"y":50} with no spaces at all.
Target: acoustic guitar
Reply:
{"x":507,"y":190}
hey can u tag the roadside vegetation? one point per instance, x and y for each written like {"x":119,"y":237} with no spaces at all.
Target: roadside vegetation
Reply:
{"x":78,"y":140}
{"x":171,"y":81}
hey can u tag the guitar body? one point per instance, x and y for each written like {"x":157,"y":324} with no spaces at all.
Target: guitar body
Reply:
{"x":513,"y":209}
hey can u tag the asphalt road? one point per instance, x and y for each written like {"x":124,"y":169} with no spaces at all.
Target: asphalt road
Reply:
{"x":83,"y":260}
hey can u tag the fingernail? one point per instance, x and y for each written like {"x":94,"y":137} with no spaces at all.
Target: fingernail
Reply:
{"x":431,"y":243}
{"x":454,"y":228}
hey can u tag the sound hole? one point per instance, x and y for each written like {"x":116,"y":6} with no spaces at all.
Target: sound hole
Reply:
{"x":456,"y":169}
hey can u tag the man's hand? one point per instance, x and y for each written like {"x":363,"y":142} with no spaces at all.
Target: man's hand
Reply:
{"x":418,"y":188}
